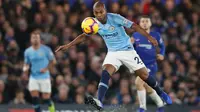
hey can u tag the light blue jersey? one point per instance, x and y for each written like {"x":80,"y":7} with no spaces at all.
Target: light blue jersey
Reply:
{"x":114,"y":34}
{"x":38,"y":59}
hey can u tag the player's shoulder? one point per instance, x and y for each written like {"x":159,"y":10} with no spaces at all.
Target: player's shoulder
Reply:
{"x":155,"y":33}
{"x":27,"y":50}
{"x":45,"y":47}
{"x":136,"y":34}
{"x":113,"y":15}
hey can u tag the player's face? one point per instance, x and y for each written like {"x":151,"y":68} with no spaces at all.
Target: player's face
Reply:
{"x":100,"y":13}
{"x":35,"y":39}
{"x":145,"y":23}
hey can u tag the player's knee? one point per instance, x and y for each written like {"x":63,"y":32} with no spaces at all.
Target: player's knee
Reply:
{"x":34,"y":93}
{"x":142,"y":73}
{"x":109,"y":68}
{"x":46,"y":96}
{"x":139,"y":83}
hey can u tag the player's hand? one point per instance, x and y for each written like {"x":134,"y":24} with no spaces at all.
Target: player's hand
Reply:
{"x":24,"y":76}
{"x":160,"y":57}
{"x":153,"y":41}
{"x":43,"y":70}
{"x":62,"y":48}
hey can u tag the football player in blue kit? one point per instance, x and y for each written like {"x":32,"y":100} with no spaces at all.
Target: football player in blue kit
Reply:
{"x":120,"y":51}
{"x":39,"y":59}
{"x":149,"y":55}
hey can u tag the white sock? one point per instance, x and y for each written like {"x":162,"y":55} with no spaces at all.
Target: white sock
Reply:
{"x":154,"y":96}
{"x":142,"y":98}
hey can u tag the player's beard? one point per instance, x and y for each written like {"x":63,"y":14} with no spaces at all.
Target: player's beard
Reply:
{"x":145,"y":28}
{"x":36,"y":44}
{"x":103,"y":20}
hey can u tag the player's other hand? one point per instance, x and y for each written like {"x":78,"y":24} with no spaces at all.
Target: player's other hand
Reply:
{"x":160,"y":57}
{"x":62,"y":48}
{"x":24,"y":76}
{"x":153,"y":41}
{"x":43,"y":70}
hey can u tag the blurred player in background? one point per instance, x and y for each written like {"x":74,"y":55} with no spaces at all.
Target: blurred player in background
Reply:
{"x":149,"y":54}
{"x":40,"y":58}
{"x":120,"y":51}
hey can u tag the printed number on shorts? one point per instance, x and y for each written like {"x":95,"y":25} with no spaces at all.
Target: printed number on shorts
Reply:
{"x":138,"y":60}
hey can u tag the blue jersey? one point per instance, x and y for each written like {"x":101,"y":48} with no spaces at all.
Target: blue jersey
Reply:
{"x":114,"y":34}
{"x":145,"y":49}
{"x":38,"y":59}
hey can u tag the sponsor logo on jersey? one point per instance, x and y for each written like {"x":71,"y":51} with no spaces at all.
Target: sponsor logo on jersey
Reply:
{"x":147,"y":46}
{"x":108,"y":36}
{"x":137,"y":39}
{"x":111,"y":28}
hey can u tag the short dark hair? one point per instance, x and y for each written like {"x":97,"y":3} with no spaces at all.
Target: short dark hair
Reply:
{"x":145,"y":16}
{"x":35,"y":32}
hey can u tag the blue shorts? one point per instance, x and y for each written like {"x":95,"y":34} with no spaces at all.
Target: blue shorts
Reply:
{"x":152,"y":68}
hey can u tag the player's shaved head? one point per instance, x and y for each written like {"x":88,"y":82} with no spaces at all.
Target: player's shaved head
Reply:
{"x":99,"y":5}
{"x":99,"y":11}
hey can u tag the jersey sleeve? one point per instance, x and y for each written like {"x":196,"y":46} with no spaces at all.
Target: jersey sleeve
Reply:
{"x":50,"y":54}
{"x":161,"y":44}
{"x":26,"y":58}
{"x":122,"y":21}
{"x":134,"y":36}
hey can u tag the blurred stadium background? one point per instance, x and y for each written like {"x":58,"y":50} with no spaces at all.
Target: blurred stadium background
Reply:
{"x":78,"y":70}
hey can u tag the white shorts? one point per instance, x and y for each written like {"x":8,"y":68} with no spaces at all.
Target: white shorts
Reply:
{"x":41,"y":85}
{"x":128,"y":58}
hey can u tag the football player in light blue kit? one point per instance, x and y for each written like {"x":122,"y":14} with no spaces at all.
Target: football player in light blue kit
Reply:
{"x":149,"y":55}
{"x":120,"y":51}
{"x":40,"y":58}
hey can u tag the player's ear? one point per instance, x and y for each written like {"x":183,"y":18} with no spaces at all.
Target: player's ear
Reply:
{"x":150,"y":22}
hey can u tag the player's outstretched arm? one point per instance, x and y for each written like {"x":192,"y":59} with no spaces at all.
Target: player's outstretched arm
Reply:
{"x":144,"y":33}
{"x":52,"y":61}
{"x":26,"y":65}
{"x":161,"y":53}
{"x":77,"y":40}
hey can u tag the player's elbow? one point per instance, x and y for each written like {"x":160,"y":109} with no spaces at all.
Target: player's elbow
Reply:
{"x":54,"y":62}
{"x":135,"y":27}
{"x":132,"y":40}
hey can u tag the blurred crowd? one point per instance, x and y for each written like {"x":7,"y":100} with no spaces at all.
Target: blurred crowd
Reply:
{"x":79,"y":69}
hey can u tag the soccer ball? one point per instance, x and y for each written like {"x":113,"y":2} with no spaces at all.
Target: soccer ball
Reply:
{"x":90,"y":26}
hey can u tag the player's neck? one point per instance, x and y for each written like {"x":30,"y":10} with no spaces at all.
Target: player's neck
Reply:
{"x":35,"y":47}
{"x":148,"y":31}
{"x":104,"y":21}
